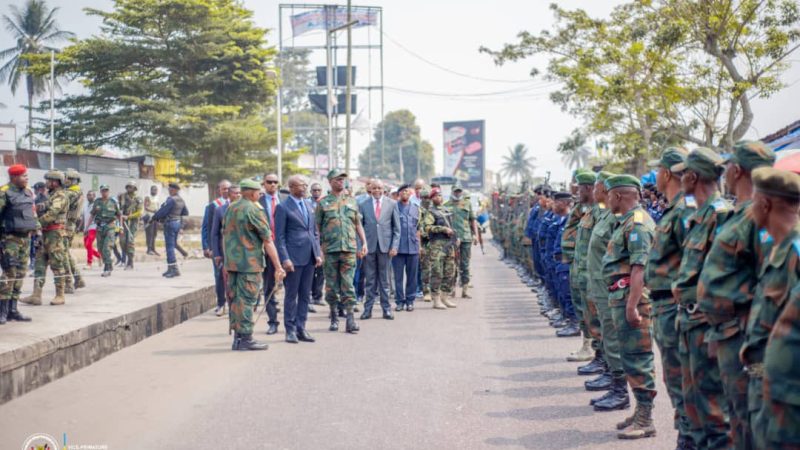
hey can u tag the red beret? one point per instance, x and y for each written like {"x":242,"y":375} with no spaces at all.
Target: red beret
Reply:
{"x":17,"y":169}
{"x":434,"y":192}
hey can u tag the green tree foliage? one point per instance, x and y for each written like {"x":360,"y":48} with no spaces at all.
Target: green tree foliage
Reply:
{"x":190,"y":77}
{"x":35,"y":29}
{"x":518,"y":164}
{"x":400,"y":129}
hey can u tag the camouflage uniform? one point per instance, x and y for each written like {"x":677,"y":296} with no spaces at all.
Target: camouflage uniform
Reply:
{"x":724,"y":294}
{"x":105,"y":213}
{"x":245,"y":231}
{"x":52,"y":251}
{"x":702,"y":387}
{"x":425,"y":260}
{"x":579,"y":276}
{"x":440,"y":248}
{"x":75,"y":197}
{"x":130,"y":206}
{"x":15,"y":243}
{"x":629,"y":246}
{"x":337,"y":218}
{"x":662,"y":267}
{"x":462,"y":218}
{"x":569,"y":241}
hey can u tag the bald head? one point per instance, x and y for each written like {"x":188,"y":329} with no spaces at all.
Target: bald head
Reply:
{"x":297,"y":186}
{"x":419,"y":183}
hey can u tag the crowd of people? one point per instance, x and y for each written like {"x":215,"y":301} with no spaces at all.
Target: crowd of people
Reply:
{"x":405,"y":242}
{"x":713,"y":280}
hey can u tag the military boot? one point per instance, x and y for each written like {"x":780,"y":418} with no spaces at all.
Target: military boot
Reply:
{"x":129,"y":266}
{"x":571,"y":330}
{"x":174,"y":272}
{"x":582,"y":354}
{"x":4,"y":304}
{"x":79,"y":283}
{"x":602,"y":398}
{"x":350,"y":323}
{"x":595,"y":367}
{"x":618,"y":399}
{"x":465,"y":292}
{"x":334,"y":320}
{"x":601,"y":383}
{"x":426,"y":297}
{"x":246,"y":342}
{"x":642,"y":424}
{"x":14,"y":314}
{"x":36,"y":297}
{"x":448,"y":301}
{"x":59,"y":298}
{"x":437,"y":302}
{"x":106,"y":271}
{"x":68,"y":287}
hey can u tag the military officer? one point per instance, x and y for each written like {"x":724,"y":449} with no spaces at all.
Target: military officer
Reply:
{"x":623,"y":271}
{"x":75,"y":197}
{"x":17,"y":224}
{"x":424,"y":261}
{"x":105,"y":213}
{"x":339,"y":222}
{"x":726,"y":285}
{"x":247,"y":242}
{"x":465,"y":226}
{"x":131,"y":208}
{"x":441,"y":239}
{"x":577,"y":272}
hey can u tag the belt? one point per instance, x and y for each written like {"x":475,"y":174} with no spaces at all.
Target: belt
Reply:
{"x":691,"y":308}
{"x":660,"y":295}
{"x":755,"y":370}
{"x":53,"y":227}
{"x":172,"y":219}
{"x":622,"y":283}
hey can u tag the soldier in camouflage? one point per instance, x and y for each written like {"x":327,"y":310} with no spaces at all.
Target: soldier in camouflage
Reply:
{"x":75,"y":197}
{"x":662,"y":268}
{"x":441,"y":240}
{"x":105,"y":213}
{"x":726,"y":285}
{"x":17,"y":224}
{"x":339,"y":222}
{"x":131,"y":207}
{"x":623,"y":272}
{"x":424,"y":260}
{"x":585,"y":212}
{"x":465,"y":226}
{"x":703,"y":396}
{"x":247,"y":241}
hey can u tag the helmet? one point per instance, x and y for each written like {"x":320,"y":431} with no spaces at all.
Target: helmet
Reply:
{"x":72,"y":174}
{"x":131,"y":184}
{"x":55,"y":175}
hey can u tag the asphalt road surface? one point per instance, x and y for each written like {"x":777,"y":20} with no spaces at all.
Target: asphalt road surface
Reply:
{"x":489,"y":374}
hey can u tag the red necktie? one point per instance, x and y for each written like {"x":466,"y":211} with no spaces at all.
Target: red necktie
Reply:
{"x":272,"y":214}
{"x":378,"y":208}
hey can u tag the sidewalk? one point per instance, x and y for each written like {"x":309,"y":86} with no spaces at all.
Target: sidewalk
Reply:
{"x":106,"y":316}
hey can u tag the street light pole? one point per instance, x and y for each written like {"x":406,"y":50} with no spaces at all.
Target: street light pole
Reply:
{"x":347,"y":101}
{"x":52,"y":108}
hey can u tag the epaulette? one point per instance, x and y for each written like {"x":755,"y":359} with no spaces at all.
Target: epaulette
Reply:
{"x":764,"y":237}
{"x":690,"y":201}
{"x":720,"y":205}
{"x":638,"y":217}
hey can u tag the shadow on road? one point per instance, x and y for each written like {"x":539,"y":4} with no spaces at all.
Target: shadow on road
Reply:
{"x":554,"y":440}
{"x":534,"y":391}
{"x":544,"y":412}
{"x":537,"y":376}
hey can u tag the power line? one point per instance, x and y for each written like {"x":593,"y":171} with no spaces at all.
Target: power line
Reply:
{"x":512,"y":92}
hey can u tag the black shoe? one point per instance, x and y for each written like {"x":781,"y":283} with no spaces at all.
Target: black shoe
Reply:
{"x":685,"y":443}
{"x":273,"y":329}
{"x":342,"y":314}
{"x":174,"y":273}
{"x":366,"y":315}
{"x":14,"y":314}
{"x":399,"y":307}
{"x":129,"y":266}
{"x":617,"y":400}
{"x":560,"y":323}
{"x":570,"y":330}
{"x":388,"y":315}
{"x":608,"y":394}
{"x":595,"y":367}
{"x":351,"y":326}
{"x":4,"y":307}
{"x":601,"y":383}
{"x":291,"y":338}
{"x":246,"y":342}
{"x":334,"y":321}
{"x":311,"y":308}
{"x":304,"y":336}
{"x":409,"y":308}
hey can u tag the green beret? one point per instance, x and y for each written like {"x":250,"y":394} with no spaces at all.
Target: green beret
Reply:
{"x":586,"y":178}
{"x":670,"y":157}
{"x":618,"y":181}
{"x":249,"y":183}
{"x":579,"y":170}
{"x":604,"y":175}
{"x":104,"y":187}
{"x":704,"y":161}
{"x":777,"y":183}
{"x":336,"y":173}
{"x":751,"y":155}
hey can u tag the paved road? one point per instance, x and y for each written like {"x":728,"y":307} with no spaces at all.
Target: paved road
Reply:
{"x":489,"y":374}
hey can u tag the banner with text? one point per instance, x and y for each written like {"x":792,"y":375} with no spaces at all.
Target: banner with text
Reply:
{"x":464,"y":152}
{"x":330,"y":18}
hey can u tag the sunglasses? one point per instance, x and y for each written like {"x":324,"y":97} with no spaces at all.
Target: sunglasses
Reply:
{"x":270,"y":182}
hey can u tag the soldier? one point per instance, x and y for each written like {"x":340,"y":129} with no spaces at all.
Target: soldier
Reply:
{"x":131,"y":207}
{"x":702,"y":389}
{"x":623,"y":271}
{"x":776,"y":204}
{"x":569,"y":325}
{"x":441,"y":237}
{"x":51,"y":251}
{"x":247,"y":242}
{"x":172,"y":213}
{"x":577,"y":272}
{"x":151,"y":226}
{"x":424,"y":261}
{"x":465,"y":226}
{"x":726,"y":285}
{"x":105,"y":212}
{"x":607,"y":357}
{"x":531,"y":226}
{"x":17,"y":224}
{"x":339,"y":222}
{"x":662,"y":268}
{"x":75,"y":197}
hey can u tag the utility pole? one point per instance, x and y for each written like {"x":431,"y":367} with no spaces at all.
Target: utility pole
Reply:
{"x":279,"y":122}
{"x":52,"y":109}
{"x":347,"y":100}
{"x":329,"y":79}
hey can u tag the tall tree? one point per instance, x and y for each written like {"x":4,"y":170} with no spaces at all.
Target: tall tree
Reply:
{"x":34,"y":29}
{"x":518,"y":164}
{"x":402,"y":136}
{"x":190,"y":77}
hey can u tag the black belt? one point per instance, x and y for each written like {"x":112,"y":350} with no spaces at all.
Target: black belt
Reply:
{"x":660,"y":295}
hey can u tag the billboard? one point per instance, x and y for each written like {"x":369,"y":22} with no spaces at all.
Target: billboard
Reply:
{"x":464,"y":152}
{"x":316,"y":19}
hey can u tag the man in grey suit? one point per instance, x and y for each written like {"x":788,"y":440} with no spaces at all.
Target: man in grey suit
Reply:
{"x":381,"y":221}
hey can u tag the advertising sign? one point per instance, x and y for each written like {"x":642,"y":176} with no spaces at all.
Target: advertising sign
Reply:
{"x":316,"y":19}
{"x":464,"y":152}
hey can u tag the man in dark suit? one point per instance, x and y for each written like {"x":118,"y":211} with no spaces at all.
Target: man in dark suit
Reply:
{"x":319,"y":275}
{"x":381,"y":222}
{"x":407,"y":259}
{"x":205,"y":237}
{"x":297,"y":241}
{"x":215,"y":241}
{"x":270,"y":201}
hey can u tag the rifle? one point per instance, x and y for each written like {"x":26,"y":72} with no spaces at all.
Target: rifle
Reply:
{"x":480,"y":239}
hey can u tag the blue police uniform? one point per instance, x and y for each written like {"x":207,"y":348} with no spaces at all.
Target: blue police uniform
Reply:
{"x":561,"y":272}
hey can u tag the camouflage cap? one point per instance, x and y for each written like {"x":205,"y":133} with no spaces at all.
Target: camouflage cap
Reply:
{"x":54,"y":175}
{"x":457,"y":187}
{"x":777,"y":183}
{"x":72,"y":174}
{"x":104,"y":187}
{"x":604,"y":175}
{"x":249,"y":183}
{"x":704,"y":161}
{"x":336,"y":173}
{"x":586,"y":178}
{"x":424,"y":193}
{"x":131,"y":184}
{"x":751,"y":155}
{"x":670,"y":157}
{"x":618,"y":181}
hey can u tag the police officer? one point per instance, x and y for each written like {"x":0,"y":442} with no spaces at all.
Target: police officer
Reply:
{"x":131,"y":207}
{"x":171,"y":214}
{"x":17,"y":224}
{"x":75,"y":196}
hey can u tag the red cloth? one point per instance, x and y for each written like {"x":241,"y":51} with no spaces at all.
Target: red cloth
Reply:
{"x":378,"y":208}
{"x":88,"y":244}
{"x":17,"y":169}
{"x":790,"y":163}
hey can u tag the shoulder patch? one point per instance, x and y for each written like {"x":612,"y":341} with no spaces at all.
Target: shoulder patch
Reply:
{"x":690,"y":201}
{"x":638,"y":217}
{"x":720,"y":205}
{"x":633,"y":237}
{"x":764,"y":237}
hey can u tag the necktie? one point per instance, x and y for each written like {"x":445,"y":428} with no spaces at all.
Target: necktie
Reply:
{"x":272,"y":214}
{"x":378,"y":208}
{"x":303,"y":211}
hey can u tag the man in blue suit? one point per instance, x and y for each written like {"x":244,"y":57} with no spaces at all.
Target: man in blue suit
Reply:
{"x":269,"y":201}
{"x":205,"y":237}
{"x":407,"y":259}
{"x":297,"y":241}
{"x":215,"y":242}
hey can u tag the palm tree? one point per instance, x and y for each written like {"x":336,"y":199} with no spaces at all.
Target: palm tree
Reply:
{"x":578,"y":157}
{"x":33,"y":27}
{"x":517,"y":164}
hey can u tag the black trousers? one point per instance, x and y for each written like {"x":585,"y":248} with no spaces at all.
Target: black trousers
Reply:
{"x":316,"y":285}
{"x":269,"y":295}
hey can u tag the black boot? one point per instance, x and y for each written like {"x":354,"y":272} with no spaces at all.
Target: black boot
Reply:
{"x":4,"y":306}
{"x":618,"y":399}
{"x":603,"y":397}
{"x":601,"y":383}
{"x":595,"y":367}
{"x":334,"y":320}
{"x":246,"y":342}
{"x":571,"y":330}
{"x":175,"y":272}
{"x":351,"y":326}
{"x":13,"y":313}
{"x":130,"y":265}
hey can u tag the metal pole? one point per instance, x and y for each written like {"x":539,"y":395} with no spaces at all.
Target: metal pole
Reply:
{"x":329,"y":79}
{"x":52,"y":109}
{"x":347,"y":101}
{"x":383,"y":125}
{"x":279,"y":122}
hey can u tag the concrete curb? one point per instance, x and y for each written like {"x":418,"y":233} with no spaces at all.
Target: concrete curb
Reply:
{"x":27,"y":368}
